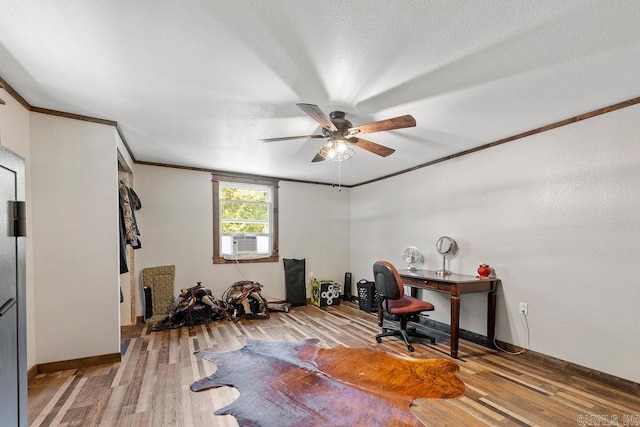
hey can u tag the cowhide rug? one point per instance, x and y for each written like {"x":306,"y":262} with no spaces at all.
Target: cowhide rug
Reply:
{"x":301,"y":384}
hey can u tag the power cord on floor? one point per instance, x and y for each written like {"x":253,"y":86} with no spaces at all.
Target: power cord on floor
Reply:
{"x":525,"y":323}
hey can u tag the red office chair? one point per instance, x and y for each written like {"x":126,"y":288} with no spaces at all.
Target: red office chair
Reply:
{"x":392,"y":300}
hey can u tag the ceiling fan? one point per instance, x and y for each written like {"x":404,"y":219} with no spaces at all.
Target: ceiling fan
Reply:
{"x":343,"y":136}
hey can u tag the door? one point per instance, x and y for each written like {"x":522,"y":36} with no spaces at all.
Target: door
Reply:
{"x":12,"y":270}
{"x":8,"y":298}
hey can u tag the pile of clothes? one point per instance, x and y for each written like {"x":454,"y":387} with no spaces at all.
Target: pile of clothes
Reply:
{"x":194,"y":306}
{"x":245,"y":299}
{"x":197,"y":305}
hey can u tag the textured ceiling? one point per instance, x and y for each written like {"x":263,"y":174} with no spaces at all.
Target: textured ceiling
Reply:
{"x":198,"y":83}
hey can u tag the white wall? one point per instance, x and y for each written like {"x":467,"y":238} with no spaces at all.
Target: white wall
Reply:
{"x":14,"y":134}
{"x":176,"y":225}
{"x":75,"y":229}
{"x":556,"y":215}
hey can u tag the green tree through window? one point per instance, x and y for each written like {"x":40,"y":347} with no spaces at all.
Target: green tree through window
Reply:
{"x":244,"y":204}
{"x":244,"y":210}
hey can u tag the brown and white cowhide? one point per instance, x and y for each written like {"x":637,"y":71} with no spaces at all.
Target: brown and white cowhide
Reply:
{"x":301,"y":384}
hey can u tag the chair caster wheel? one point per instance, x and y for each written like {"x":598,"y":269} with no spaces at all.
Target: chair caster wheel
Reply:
{"x":378,"y":340}
{"x":411,"y":349}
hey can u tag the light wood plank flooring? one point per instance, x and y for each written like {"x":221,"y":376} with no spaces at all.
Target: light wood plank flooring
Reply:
{"x":150,"y":386}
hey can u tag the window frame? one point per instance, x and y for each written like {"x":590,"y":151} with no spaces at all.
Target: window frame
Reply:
{"x":216,"y":178}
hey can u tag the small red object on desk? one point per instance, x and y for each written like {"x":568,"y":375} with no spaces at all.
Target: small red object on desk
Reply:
{"x":484,"y":271}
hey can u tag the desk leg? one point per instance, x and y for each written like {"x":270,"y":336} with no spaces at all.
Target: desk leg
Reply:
{"x":491,"y":318}
{"x":455,"y":325}
{"x":414,"y":291}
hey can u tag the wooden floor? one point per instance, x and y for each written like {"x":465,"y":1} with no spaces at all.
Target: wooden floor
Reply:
{"x":150,"y":386}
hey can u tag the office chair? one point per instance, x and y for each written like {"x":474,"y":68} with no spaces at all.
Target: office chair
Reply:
{"x":391,"y":299}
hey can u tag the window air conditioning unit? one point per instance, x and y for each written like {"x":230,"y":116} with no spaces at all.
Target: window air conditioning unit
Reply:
{"x":243,"y":244}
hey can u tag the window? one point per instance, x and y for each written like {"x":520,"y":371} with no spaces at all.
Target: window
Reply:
{"x":245,"y":219}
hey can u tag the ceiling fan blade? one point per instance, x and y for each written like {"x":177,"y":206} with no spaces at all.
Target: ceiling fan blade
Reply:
{"x":318,"y":115}
{"x":401,"y":122}
{"x":378,"y":149}
{"x":287,"y":138}
{"x":317,"y":158}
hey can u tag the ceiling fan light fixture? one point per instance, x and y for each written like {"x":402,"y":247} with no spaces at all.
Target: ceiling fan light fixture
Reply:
{"x":337,"y":150}
{"x":341,"y":134}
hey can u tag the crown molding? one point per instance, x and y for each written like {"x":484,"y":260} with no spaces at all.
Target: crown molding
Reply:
{"x":551,"y":126}
{"x":74,"y":116}
{"x":555,"y":125}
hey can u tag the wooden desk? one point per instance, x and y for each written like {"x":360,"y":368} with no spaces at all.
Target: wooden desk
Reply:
{"x":456,"y":285}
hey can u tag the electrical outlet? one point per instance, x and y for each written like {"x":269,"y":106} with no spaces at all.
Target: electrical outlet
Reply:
{"x":524,"y":308}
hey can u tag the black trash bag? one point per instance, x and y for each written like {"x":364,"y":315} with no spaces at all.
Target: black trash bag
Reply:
{"x":294,"y":277}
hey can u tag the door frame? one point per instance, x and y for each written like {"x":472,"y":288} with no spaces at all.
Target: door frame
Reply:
{"x":129,"y":292}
